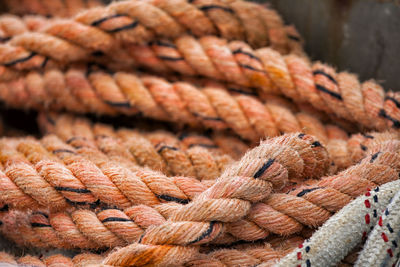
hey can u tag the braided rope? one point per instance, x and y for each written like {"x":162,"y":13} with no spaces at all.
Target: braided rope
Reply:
{"x":186,"y":155}
{"x":55,"y":175}
{"x":318,"y":84}
{"x":381,"y":248}
{"x":306,"y":164}
{"x":57,"y":8}
{"x":246,"y":256}
{"x":101,"y":30}
{"x":80,"y":260}
{"x":343,"y":231}
{"x":185,"y":224}
{"x":125,"y":93}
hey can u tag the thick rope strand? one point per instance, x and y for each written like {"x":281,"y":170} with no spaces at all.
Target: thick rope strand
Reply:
{"x":318,"y":84}
{"x":185,"y":155}
{"x":125,"y":93}
{"x":103,"y":29}
{"x":56,"y":8}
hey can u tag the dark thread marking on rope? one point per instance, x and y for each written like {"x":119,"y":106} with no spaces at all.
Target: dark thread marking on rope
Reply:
{"x":63,"y":151}
{"x":49,"y":119}
{"x":329,"y":92}
{"x":396,"y":123}
{"x":242,"y":91}
{"x":375,"y":214}
{"x":375,"y":198}
{"x":306,"y":191}
{"x":168,"y":58}
{"x":75,"y":190}
{"x":210,"y":7}
{"x":183,"y":135}
{"x":83,"y":203}
{"x":364,"y":148}
{"x":376,"y":189}
{"x":174,"y":199}
{"x":118,"y":104}
{"x":5,"y":39}
{"x":203,"y":145}
{"x":70,"y":140}
{"x":44,"y":63}
{"x":321,"y":72}
{"x":126,"y":27}
{"x":389,"y":228}
{"x":394,"y":100}
{"x":394,"y":243}
{"x":207,"y":118}
{"x":294,"y":37}
{"x":205,"y":234}
{"x":167,"y":147}
{"x":116,"y":219}
{"x":162,"y":43}
{"x":368,"y":136}
{"x":20,"y":60}
{"x":40,"y":213}
{"x":301,"y":135}
{"x":307,"y":249}
{"x":386,"y":212}
{"x":316,"y":144}
{"x":40,"y":225}
{"x":100,"y":21}
{"x":240,"y":51}
{"x":374,"y":156}
{"x":4,"y":208}
{"x":264,"y":167}
{"x":141,"y":237}
{"x":251,"y":68}
{"x":308,"y":263}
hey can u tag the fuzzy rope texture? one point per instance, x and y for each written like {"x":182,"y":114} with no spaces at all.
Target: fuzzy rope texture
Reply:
{"x":190,"y":155}
{"x":255,"y":227}
{"x":125,"y":93}
{"x":317,"y":84}
{"x":334,"y":240}
{"x":131,"y":254}
{"x":242,"y":256}
{"x":311,"y":160}
{"x":57,"y":8}
{"x":57,"y":260}
{"x":343,"y":151}
{"x":100,"y":31}
{"x":167,"y":244}
{"x":381,"y":248}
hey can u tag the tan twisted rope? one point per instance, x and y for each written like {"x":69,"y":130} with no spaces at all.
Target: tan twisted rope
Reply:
{"x":187,"y":222}
{"x":246,"y":256}
{"x":125,"y":93}
{"x":99,"y":31}
{"x":317,"y":84}
{"x":80,"y":260}
{"x":57,"y":8}
{"x":184,"y":155}
{"x":309,"y":162}
{"x":53,"y":174}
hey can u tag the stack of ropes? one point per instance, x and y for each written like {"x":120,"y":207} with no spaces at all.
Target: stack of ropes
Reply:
{"x":130,"y":197}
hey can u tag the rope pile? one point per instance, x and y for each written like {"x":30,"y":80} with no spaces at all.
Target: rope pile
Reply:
{"x":237,"y":146}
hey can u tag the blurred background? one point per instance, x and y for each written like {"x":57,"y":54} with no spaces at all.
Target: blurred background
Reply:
{"x":360,"y":36}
